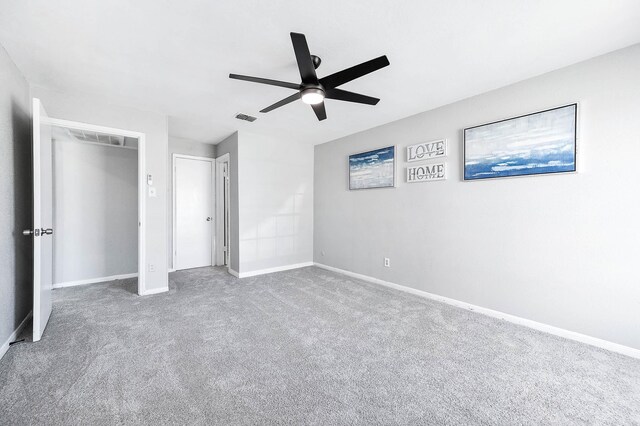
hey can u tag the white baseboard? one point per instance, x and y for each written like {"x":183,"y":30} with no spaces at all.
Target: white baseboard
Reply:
{"x":5,"y":346}
{"x":94,"y":280}
{"x":234,"y":273}
{"x":171,"y":270}
{"x":269,"y":270}
{"x":154,"y":291}
{"x":572,"y":335}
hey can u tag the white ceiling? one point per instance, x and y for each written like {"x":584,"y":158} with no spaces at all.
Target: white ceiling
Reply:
{"x":174,"y":57}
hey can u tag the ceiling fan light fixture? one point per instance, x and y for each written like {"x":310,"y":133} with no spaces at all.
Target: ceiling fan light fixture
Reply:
{"x":312,"y":96}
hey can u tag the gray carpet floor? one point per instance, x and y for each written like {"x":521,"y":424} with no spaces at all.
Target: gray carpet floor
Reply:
{"x":306,"y":346}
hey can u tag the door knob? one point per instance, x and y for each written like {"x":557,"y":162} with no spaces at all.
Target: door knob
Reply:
{"x":35,"y":232}
{"x":209,"y":219}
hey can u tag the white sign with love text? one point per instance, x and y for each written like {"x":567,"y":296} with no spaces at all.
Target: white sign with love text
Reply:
{"x":427,"y":150}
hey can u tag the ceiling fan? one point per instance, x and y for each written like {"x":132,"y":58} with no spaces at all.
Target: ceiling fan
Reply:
{"x":314,"y":91}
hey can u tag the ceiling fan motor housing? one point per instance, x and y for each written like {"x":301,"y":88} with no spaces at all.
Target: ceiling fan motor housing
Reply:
{"x":316,"y":61}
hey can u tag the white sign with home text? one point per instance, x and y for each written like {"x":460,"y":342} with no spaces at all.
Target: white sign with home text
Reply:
{"x":427,"y":172}
{"x":427,"y":150}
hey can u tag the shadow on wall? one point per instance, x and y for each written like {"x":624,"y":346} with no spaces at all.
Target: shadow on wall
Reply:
{"x":23,"y":210}
{"x":274,"y":239}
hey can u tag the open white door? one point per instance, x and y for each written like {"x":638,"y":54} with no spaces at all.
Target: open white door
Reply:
{"x":42,"y":220}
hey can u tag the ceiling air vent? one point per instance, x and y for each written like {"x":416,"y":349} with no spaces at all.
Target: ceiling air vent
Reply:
{"x":245,"y":117}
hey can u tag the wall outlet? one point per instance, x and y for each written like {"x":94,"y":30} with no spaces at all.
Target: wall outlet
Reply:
{"x":152,"y":267}
{"x":387,"y":262}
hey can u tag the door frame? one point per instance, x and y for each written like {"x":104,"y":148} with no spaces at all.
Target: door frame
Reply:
{"x":174,"y":156}
{"x":142,"y":186}
{"x":225,"y":158}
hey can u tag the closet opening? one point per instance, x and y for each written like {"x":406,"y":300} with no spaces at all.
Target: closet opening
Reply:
{"x":99,"y":194}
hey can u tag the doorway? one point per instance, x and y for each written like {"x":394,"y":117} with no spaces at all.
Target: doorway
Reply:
{"x":134,"y":140}
{"x":223,"y":255}
{"x":193,"y":206}
{"x":43,"y":232}
{"x":95,"y":211}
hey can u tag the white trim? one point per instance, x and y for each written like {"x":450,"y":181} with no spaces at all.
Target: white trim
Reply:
{"x":219,"y":211}
{"x":94,"y":280}
{"x":234,"y":273}
{"x":13,"y":336}
{"x":174,"y":253}
{"x":155,"y":291}
{"x":78,"y":142}
{"x":271,"y":270}
{"x":170,"y":270}
{"x":567,"y":334}
{"x":193,"y":157}
{"x":93,"y":127}
{"x":142,"y":186}
{"x":142,"y":214}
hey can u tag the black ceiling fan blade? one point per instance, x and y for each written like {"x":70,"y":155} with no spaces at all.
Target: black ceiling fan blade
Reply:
{"x":303,"y":57}
{"x":320,"y":111}
{"x":341,"y":77}
{"x":265,"y":81}
{"x":343,"y":95}
{"x":283,"y":102}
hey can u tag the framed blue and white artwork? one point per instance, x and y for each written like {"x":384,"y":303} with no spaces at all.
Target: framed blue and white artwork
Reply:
{"x":539,"y":143}
{"x":373,"y":169}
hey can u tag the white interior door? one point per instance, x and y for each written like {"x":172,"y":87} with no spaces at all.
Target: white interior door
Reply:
{"x":42,"y":220}
{"x":193,"y":238}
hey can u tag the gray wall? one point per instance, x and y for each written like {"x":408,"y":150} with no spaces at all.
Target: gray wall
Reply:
{"x":230,"y":146}
{"x":276,"y":202}
{"x":562,"y":250}
{"x":16,"y":198}
{"x":271,"y":196}
{"x":187,"y":147}
{"x":95,"y":214}
{"x":100,"y":111}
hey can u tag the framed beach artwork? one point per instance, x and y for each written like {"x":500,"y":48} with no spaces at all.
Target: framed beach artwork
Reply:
{"x":373,"y":169}
{"x":543,"y":142}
